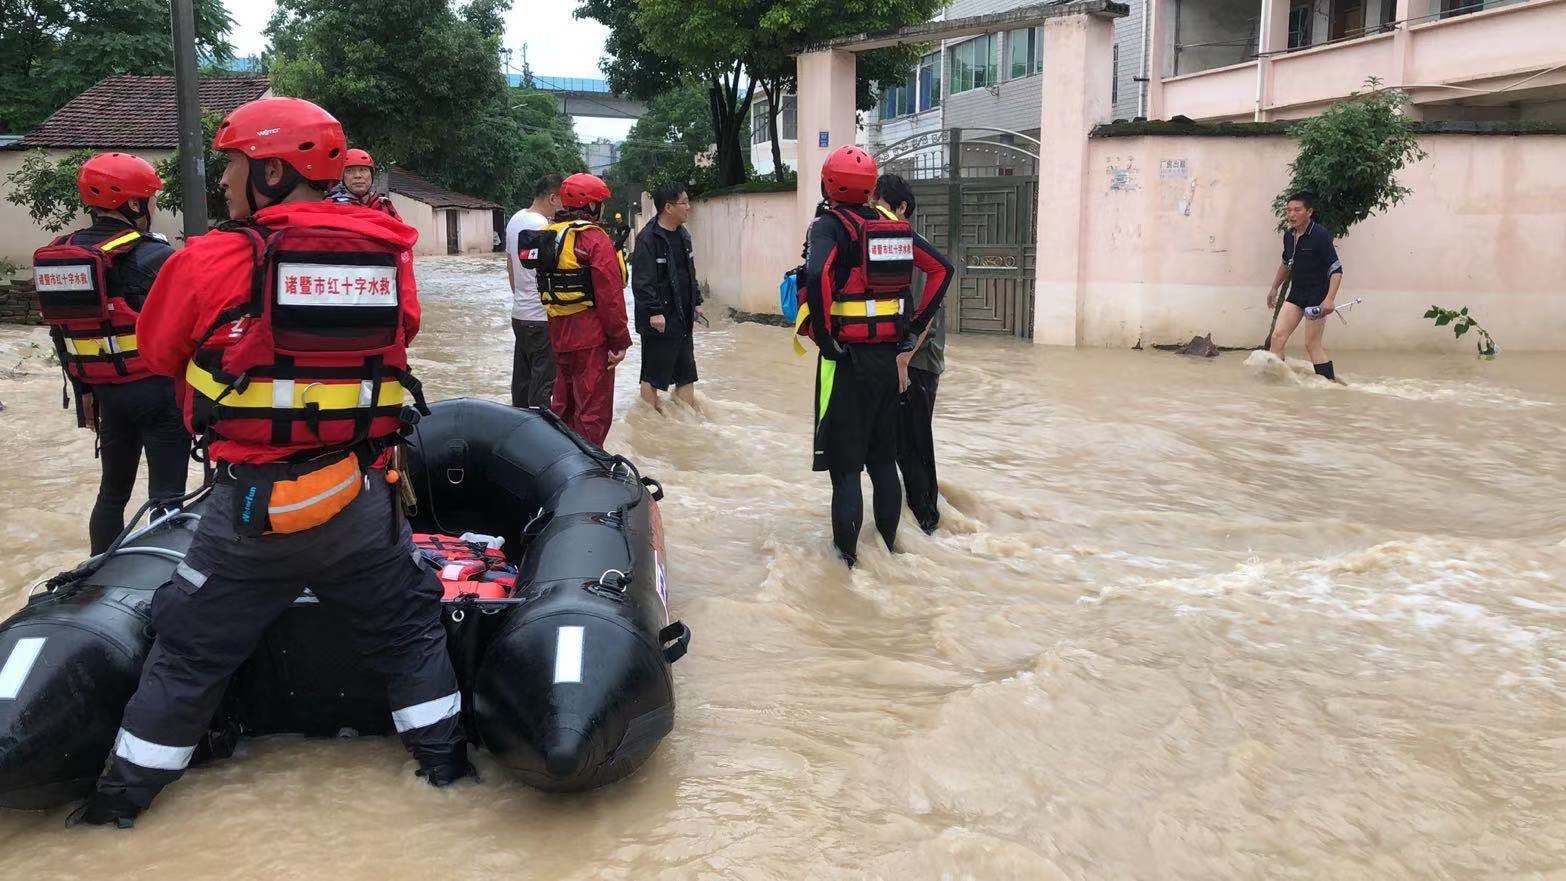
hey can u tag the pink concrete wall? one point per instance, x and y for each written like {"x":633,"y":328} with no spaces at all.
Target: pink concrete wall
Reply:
{"x":744,"y":243}
{"x":1179,"y":239}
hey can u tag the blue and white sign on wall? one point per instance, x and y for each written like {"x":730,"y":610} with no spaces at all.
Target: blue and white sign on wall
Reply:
{"x":822,"y":139}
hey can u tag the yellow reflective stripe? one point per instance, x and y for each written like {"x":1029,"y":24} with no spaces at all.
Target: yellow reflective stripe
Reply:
{"x":862,"y":308}
{"x":563,"y":311}
{"x":111,"y":244}
{"x":886,"y":212}
{"x":121,"y":345}
{"x":826,"y":373}
{"x":259,"y":395}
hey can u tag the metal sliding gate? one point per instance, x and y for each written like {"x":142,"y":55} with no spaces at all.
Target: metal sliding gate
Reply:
{"x":977,"y":192}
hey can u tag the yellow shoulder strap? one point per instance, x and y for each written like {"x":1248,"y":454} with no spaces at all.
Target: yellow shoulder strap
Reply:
{"x":126,"y":239}
{"x":886,"y":212}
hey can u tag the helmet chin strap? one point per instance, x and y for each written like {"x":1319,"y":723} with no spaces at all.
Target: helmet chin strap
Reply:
{"x":273,"y":192}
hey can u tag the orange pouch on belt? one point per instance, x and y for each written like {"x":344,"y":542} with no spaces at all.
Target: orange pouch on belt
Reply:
{"x":295,"y":498}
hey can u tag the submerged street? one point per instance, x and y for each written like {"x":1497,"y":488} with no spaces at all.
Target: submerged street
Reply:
{"x":1184,"y":619}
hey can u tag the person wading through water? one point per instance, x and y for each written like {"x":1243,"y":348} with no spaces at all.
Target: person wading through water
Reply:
{"x":1314,"y":272}
{"x":858,"y":309}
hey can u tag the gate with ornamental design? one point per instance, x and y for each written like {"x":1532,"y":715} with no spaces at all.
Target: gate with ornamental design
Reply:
{"x":977,"y":192}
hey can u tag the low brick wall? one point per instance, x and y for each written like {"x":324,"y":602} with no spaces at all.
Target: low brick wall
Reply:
{"x":19,"y":303}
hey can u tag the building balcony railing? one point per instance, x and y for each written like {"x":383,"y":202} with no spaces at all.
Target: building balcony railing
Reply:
{"x":1459,"y":52}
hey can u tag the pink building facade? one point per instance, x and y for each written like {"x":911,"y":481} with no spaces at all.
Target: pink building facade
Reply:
{"x":1469,"y":60}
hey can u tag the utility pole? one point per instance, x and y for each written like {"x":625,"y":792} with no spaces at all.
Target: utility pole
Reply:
{"x":192,"y":152}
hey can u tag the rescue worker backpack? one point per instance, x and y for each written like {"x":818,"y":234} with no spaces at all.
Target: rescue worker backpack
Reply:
{"x":93,"y":328}
{"x":317,"y":355}
{"x":565,"y":286}
{"x":867,"y":299}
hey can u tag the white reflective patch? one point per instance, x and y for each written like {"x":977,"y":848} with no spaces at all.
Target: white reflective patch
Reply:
{"x":891,"y":249}
{"x":195,"y":578}
{"x":451,"y":572}
{"x":366,"y":393}
{"x":427,"y":713}
{"x":59,"y":279}
{"x":283,"y":394}
{"x":151,"y":755}
{"x":14,"y":674}
{"x":334,"y":284}
{"x":568,"y":654}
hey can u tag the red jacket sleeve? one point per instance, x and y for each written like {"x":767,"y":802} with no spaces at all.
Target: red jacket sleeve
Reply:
{"x":937,"y":277}
{"x":408,"y":289}
{"x":166,"y":327}
{"x":608,"y":287}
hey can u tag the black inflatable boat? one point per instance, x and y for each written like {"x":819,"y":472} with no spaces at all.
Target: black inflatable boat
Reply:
{"x":564,"y":663}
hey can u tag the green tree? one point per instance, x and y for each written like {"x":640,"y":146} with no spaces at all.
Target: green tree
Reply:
{"x":53,"y":50}
{"x":405,"y":77}
{"x":516,"y":139}
{"x":732,"y":47}
{"x":47,"y":189}
{"x":663,"y":145}
{"x":171,"y":197}
{"x":1348,"y":161}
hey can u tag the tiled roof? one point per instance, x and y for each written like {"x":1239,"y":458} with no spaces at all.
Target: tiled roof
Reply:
{"x":135,"y":112}
{"x":406,"y":183}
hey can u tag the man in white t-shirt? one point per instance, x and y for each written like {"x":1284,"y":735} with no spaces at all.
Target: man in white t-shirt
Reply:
{"x":533,"y":361}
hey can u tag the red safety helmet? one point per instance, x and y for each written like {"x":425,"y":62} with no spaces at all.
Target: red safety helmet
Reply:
{"x":109,"y":180}
{"x":848,"y":175}
{"x":299,"y":133}
{"x":357,"y":157}
{"x":581,"y":190}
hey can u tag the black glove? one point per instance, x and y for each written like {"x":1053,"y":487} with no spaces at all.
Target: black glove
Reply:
{"x":832,"y":349}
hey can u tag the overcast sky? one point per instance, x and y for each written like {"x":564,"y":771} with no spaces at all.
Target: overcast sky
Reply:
{"x":557,"y":45}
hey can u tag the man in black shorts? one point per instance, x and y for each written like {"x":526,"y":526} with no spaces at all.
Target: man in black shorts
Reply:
{"x":1311,"y":264}
{"x":668,"y":300}
{"x":860,"y":311}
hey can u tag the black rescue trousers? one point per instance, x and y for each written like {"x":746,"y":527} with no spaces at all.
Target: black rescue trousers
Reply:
{"x":916,"y":446}
{"x":532,"y":364}
{"x":856,"y":430}
{"x":209,"y":618}
{"x":133,"y":417}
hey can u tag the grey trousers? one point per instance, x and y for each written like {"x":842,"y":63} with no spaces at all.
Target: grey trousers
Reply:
{"x":210,"y":617}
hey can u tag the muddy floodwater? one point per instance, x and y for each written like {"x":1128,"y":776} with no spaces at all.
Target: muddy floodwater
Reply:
{"x":1184,"y":619}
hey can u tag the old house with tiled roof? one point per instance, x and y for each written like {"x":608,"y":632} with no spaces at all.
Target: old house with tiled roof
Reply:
{"x":448,"y":222}
{"x":133,"y":114}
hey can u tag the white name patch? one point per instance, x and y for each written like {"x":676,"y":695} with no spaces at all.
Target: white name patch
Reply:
{"x":331,"y":284}
{"x":59,"y":279}
{"x":891,"y":249}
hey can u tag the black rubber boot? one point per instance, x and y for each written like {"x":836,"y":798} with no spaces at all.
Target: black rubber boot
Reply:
{"x":103,"y":808}
{"x":447,"y":769}
{"x":1324,"y":369}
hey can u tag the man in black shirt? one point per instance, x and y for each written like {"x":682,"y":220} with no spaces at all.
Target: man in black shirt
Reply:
{"x":668,"y":300}
{"x":1311,"y":265}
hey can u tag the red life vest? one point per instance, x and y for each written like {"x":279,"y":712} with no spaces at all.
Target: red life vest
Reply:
{"x":94,"y":328}
{"x":468,"y":568}
{"x":869,"y":303}
{"x":317,"y":355}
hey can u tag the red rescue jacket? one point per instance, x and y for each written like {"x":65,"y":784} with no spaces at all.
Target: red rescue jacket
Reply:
{"x":267,"y":370}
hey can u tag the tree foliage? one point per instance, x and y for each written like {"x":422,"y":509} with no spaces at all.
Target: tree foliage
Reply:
{"x":47,"y":189}
{"x":417,"y":83}
{"x":1461,"y":322}
{"x":515,"y":139}
{"x":53,"y":50}
{"x":403,"y":76}
{"x":172,"y":196}
{"x":733,"y":47}
{"x":1349,"y":158}
{"x":664,"y":144}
